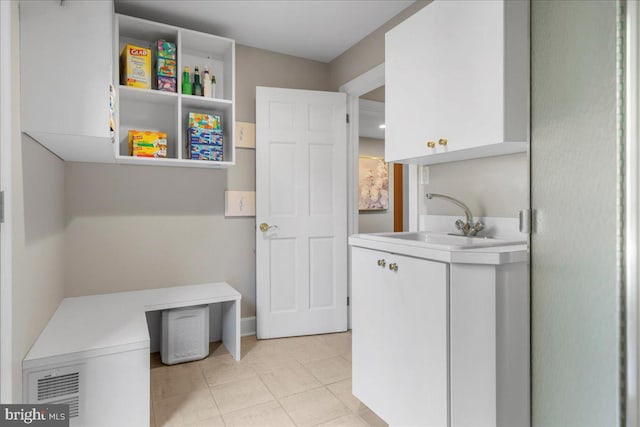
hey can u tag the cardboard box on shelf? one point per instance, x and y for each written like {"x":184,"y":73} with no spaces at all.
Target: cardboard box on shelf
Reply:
{"x":166,"y":67}
{"x":206,"y":152}
{"x":205,"y":136}
{"x":204,"y":121}
{"x":166,"y":84}
{"x":135,"y":66}
{"x":166,"y":49}
{"x":147,"y":143}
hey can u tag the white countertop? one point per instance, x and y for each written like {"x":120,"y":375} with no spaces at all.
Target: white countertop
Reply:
{"x":495,"y":255}
{"x":104,"y":324}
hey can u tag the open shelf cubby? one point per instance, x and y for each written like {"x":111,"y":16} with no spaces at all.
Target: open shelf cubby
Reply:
{"x":154,"y":110}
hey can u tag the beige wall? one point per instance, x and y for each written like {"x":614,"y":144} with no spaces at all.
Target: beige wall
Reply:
{"x":37,"y":232}
{"x":257,"y":67}
{"x":376,"y":221}
{"x":493,"y":186}
{"x":133,"y":227}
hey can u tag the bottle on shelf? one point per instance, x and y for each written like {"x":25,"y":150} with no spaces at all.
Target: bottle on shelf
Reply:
{"x":213,"y":86}
{"x":186,"y":82}
{"x":206,"y":81}
{"x":197,"y":86}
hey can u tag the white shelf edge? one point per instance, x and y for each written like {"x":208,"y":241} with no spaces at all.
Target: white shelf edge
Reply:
{"x":147,"y":161}
{"x":134,"y":93}
{"x":491,"y":150}
{"x":194,"y":99}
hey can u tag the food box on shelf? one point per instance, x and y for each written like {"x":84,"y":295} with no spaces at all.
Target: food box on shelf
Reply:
{"x":206,"y":152}
{"x":166,"y":84}
{"x":205,"y":136}
{"x":147,"y":143}
{"x":135,"y":66}
{"x":204,"y":121}
{"x":166,"y":49}
{"x":166,"y":67}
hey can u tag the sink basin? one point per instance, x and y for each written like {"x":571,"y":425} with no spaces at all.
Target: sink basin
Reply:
{"x":441,"y":240}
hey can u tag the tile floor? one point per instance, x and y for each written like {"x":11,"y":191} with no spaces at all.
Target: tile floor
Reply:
{"x":301,"y":381}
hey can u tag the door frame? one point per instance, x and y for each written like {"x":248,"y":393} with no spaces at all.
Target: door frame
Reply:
{"x":632,"y":214}
{"x":355,"y":88}
{"x":7,"y":12}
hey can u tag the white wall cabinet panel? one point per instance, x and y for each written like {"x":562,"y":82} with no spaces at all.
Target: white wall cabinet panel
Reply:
{"x":65,"y":66}
{"x":457,"y":71}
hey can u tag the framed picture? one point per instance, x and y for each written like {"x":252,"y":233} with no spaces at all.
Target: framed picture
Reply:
{"x":373,"y":184}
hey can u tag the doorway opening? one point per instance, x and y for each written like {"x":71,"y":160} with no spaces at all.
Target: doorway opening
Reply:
{"x":380,"y":201}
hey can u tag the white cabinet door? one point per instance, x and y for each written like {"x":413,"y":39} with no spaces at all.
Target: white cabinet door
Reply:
{"x":66,"y":70}
{"x":456,"y":71}
{"x":400,"y":337}
{"x":468,"y":66}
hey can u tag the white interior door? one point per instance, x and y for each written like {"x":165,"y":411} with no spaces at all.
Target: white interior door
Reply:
{"x":301,"y":194}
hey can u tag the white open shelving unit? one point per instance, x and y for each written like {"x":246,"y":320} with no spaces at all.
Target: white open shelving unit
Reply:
{"x":154,"y":110}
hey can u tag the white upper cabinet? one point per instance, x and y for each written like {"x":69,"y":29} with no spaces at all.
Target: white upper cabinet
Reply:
{"x":457,"y":77}
{"x":71,"y":92}
{"x":65,"y":73}
{"x":168,"y":112}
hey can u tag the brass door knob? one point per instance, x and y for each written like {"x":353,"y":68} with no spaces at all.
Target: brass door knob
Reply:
{"x":264,"y":227}
{"x":382,"y":262}
{"x":431,"y":144}
{"x":393,"y":266}
{"x":443,"y":142}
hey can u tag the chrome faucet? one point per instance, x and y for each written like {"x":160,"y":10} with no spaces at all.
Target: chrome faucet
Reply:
{"x":469,"y":228}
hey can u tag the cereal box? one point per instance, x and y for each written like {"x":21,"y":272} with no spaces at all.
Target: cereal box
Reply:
{"x":166,"y":67}
{"x":166,"y":84}
{"x":147,"y":144}
{"x":206,"y":152}
{"x":204,"y":121}
{"x":135,"y":66}
{"x":165,"y":49}
{"x":205,"y":136}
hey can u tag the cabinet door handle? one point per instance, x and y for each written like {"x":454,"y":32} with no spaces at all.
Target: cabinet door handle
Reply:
{"x":393,"y":266}
{"x":382,"y":262}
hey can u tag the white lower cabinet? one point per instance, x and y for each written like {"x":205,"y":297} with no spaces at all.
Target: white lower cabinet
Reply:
{"x":438,"y":343}
{"x":400,"y":337}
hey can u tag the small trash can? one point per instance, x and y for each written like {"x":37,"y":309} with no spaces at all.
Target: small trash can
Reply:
{"x":185,"y":334}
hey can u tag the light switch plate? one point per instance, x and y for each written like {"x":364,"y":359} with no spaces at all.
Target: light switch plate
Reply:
{"x":239,"y":203}
{"x":245,"y":135}
{"x":424,"y":176}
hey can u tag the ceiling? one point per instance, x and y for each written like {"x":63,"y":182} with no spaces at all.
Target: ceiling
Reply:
{"x":315,"y":29}
{"x":370,"y":119}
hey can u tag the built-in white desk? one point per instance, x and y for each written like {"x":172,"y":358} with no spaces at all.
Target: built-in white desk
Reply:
{"x":113,"y":326}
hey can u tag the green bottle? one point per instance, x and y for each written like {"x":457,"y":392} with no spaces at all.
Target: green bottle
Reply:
{"x":186,"y":82}
{"x":197,"y":86}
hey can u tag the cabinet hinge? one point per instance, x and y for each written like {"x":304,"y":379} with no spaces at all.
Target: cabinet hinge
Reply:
{"x":348,"y":119}
{"x":347,"y":300}
{"x":527,"y":218}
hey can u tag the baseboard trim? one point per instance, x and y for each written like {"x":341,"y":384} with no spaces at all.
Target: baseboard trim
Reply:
{"x":248,"y":326}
